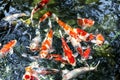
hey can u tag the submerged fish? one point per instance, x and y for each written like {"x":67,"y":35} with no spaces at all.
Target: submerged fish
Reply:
{"x":78,"y":71}
{"x":14,"y":16}
{"x":46,"y":45}
{"x":67,"y":28}
{"x":7,"y":47}
{"x":68,"y":52}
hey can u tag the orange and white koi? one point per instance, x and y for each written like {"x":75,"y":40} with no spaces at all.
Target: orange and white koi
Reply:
{"x":67,"y":28}
{"x":34,"y":45}
{"x":47,"y":43}
{"x":84,"y":22}
{"x":45,"y":16}
{"x":68,"y":52}
{"x":78,"y":71}
{"x":7,"y":47}
{"x":77,"y":33}
{"x":40,"y":5}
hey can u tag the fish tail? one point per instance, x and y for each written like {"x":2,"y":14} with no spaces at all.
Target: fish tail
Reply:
{"x":97,"y":65}
{"x":60,"y":33}
{"x":78,"y":16}
{"x":55,"y":17}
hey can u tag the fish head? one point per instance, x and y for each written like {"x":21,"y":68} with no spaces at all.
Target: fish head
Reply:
{"x":27,"y":76}
{"x":99,"y":39}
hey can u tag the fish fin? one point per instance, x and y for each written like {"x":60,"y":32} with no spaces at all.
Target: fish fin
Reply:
{"x":84,"y":27}
{"x":25,"y":55}
{"x":62,"y":65}
{"x":65,"y":72}
{"x":27,"y":47}
{"x":51,"y":50}
{"x":60,"y":33}
{"x":90,"y":57}
{"x":78,"y":16}
{"x":49,"y":23}
{"x":76,"y":54}
{"x":93,"y":41}
{"x":68,"y":39}
{"x":97,"y":65}
{"x":11,"y":51}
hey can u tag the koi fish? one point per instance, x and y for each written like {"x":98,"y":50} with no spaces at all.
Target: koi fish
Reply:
{"x":34,"y":45}
{"x":47,"y":43}
{"x":40,"y":5}
{"x":78,"y":34}
{"x":14,"y":16}
{"x":84,"y":22}
{"x":45,"y":16}
{"x":67,"y":28}
{"x":76,"y":72}
{"x":30,"y":74}
{"x":7,"y":47}
{"x":67,"y":52}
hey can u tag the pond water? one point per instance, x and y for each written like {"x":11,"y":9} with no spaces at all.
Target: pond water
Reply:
{"x":105,"y":13}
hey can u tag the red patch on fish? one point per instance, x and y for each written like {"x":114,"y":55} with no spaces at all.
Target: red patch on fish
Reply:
{"x":68,"y":53}
{"x":86,"y":53}
{"x":81,"y":32}
{"x":90,"y":37}
{"x":80,"y":50}
{"x":27,"y":77}
{"x":46,"y":15}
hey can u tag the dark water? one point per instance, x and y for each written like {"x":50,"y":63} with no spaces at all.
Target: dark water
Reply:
{"x":106,"y":14}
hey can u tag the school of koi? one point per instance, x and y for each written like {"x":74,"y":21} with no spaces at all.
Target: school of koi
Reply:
{"x":76,"y":36}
